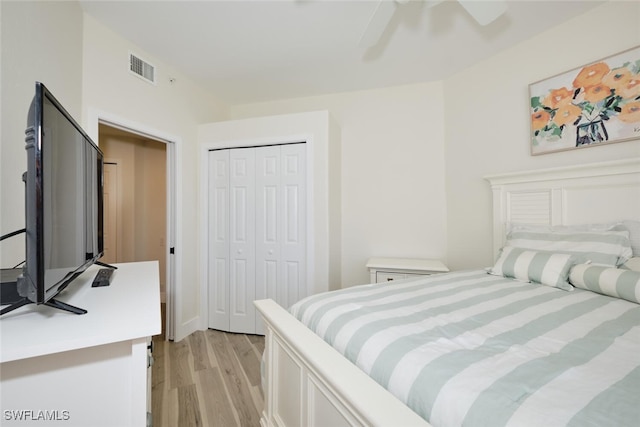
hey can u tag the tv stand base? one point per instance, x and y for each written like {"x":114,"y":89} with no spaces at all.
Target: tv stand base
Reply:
{"x":103,"y":264}
{"x":64,"y":306}
{"x":17,"y":304}
{"x":51,"y":303}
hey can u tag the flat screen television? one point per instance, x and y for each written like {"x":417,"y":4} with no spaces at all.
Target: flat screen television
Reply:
{"x":63,"y":203}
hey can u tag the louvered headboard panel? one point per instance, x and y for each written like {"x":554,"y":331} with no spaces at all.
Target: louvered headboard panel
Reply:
{"x":529,"y":207}
{"x":584,"y":194}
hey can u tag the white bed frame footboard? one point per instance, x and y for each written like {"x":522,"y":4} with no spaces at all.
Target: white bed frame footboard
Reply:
{"x":308,"y":383}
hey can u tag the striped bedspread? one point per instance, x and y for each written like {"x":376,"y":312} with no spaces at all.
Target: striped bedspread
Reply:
{"x":472,"y":349}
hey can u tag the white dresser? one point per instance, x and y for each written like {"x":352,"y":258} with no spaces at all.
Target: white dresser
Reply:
{"x":82,"y":370}
{"x":388,"y":269}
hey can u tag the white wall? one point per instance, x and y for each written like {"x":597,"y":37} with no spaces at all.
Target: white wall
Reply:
{"x":41,"y":41}
{"x":487,"y":119}
{"x":393,"y":201}
{"x":169,"y":110}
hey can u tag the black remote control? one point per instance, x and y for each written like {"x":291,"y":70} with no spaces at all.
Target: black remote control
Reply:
{"x":103,"y":277}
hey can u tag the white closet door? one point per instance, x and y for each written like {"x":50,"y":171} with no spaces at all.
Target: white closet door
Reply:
{"x":268,"y":226}
{"x":294,"y":241}
{"x":280,"y":224}
{"x":257,"y":232}
{"x":218,"y":238}
{"x":242,"y":240}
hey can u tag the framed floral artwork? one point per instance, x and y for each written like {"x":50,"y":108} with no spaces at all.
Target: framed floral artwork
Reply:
{"x":592,"y":105}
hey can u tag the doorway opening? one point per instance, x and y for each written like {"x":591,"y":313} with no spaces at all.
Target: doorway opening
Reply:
{"x":136,"y":204}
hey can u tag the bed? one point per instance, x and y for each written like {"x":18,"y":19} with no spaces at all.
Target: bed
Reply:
{"x":548,"y":335}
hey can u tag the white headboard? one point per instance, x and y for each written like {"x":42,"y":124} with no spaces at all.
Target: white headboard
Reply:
{"x":583,"y":194}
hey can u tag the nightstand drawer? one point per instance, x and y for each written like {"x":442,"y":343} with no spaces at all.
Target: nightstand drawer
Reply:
{"x":390,"y":269}
{"x":386,"y":276}
{"x":383,"y":276}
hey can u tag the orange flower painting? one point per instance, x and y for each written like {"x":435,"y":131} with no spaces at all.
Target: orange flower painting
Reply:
{"x":592,"y":105}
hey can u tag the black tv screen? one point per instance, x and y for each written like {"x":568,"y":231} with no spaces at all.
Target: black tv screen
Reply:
{"x":63,"y":201}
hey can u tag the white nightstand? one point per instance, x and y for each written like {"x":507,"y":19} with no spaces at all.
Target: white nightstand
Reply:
{"x":388,"y":269}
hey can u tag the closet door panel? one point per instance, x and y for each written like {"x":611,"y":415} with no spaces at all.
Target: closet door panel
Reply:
{"x":242,"y":240}
{"x":268,"y":231}
{"x":293,"y":208}
{"x":218,"y":239}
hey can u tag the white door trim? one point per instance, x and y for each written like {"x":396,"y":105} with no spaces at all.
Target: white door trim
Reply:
{"x":204,"y":207}
{"x":175,"y":329}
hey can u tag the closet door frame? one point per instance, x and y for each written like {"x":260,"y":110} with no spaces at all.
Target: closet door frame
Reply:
{"x":204,"y":197}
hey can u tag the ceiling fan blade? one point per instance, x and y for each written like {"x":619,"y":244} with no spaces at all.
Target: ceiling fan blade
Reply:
{"x":484,"y":12}
{"x":377,"y":23}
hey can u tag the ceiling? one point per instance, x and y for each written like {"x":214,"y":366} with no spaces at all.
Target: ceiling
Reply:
{"x":250,"y":51}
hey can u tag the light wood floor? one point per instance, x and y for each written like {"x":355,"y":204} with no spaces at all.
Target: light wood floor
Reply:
{"x":210,"y":378}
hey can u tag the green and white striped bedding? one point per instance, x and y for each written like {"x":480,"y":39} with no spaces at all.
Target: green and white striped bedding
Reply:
{"x":473,"y":349}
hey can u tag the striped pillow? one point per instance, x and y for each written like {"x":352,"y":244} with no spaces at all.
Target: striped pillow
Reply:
{"x":634,"y":235}
{"x":613,"y":282}
{"x":547,"y":268}
{"x":632,"y":264}
{"x":608,"y":248}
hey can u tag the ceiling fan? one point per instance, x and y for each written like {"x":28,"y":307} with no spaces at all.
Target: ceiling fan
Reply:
{"x":484,"y":12}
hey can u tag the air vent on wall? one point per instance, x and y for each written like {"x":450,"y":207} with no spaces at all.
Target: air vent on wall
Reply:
{"x":142,"y":68}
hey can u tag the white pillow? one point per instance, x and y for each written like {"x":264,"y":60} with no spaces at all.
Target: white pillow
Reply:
{"x":547,"y":268}
{"x":634,"y":235}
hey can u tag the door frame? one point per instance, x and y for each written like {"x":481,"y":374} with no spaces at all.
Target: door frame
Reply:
{"x":204,"y":207}
{"x":174,"y":329}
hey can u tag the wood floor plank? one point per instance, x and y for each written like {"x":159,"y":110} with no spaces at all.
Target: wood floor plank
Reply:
{"x":170,"y":416}
{"x":233,"y":378}
{"x":198,"y":347}
{"x":158,"y":374}
{"x":157,"y":404}
{"x":246,"y":356}
{"x":188,"y":406}
{"x":258,"y":342}
{"x":258,"y":398}
{"x":180,"y":371}
{"x":216,"y":405}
